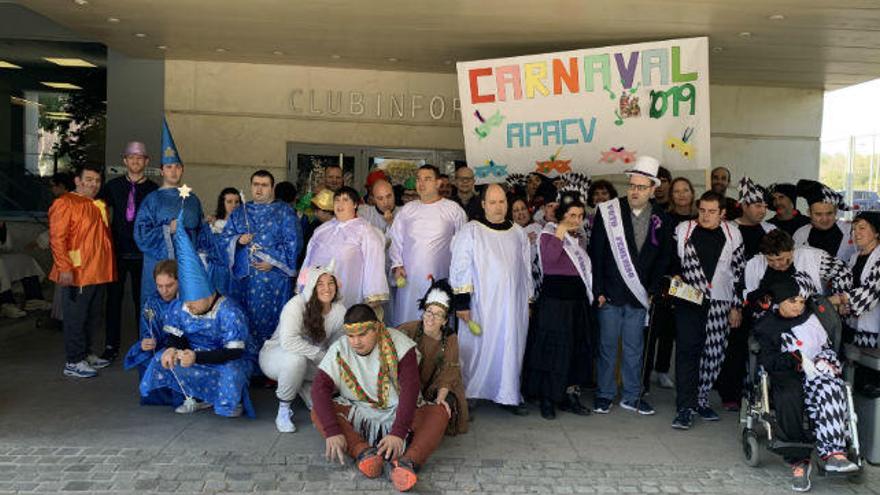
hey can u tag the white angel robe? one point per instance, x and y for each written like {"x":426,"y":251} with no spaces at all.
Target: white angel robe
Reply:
{"x":372,"y":215}
{"x":494,"y":266}
{"x":421,"y":235}
{"x":359,"y":251}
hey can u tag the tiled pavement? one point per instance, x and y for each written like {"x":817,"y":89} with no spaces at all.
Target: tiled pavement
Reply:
{"x":58,"y":435}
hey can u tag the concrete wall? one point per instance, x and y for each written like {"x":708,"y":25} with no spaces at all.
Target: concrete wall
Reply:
{"x":229,"y":119}
{"x":769,"y":134}
{"x":135,"y":104}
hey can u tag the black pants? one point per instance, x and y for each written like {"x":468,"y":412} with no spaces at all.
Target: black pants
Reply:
{"x":736,"y":361}
{"x":82,"y":315}
{"x":115,"y":293}
{"x":32,"y":290}
{"x":787,"y":399}
{"x":690,"y":338}
{"x":662,"y":338}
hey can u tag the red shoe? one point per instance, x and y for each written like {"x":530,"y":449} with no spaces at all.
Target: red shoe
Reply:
{"x":370,"y":463}
{"x":403,"y":475}
{"x":732,"y":406}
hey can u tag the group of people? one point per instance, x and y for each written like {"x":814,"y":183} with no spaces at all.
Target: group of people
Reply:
{"x":392,"y":319}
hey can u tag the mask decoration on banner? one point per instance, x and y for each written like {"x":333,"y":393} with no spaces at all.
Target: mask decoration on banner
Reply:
{"x":619,"y":153}
{"x":490,"y":169}
{"x":596,"y":103}
{"x":486,"y":125}
{"x":554,"y":166}
{"x":682,"y":146}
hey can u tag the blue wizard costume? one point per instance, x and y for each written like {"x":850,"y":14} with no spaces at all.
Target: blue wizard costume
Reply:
{"x":152,"y":231}
{"x":151,"y":322}
{"x":219,"y":337}
{"x":277,"y":239}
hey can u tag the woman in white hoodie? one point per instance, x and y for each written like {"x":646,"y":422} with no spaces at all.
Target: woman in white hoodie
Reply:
{"x":309,"y":323}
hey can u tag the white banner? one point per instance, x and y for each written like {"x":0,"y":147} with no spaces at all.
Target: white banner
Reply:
{"x":591,"y":111}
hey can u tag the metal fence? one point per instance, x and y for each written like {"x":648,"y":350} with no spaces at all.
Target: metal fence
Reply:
{"x":852,"y":165}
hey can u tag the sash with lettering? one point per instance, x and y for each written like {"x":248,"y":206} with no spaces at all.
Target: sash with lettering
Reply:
{"x":575,"y":253}
{"x":611,"y":216}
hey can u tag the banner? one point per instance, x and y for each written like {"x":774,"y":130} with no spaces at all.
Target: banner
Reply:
{"x":590,"y":111}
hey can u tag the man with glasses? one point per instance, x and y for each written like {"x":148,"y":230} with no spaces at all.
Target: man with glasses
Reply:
{"x":467,"y":196}
{"x":630,"y":247}
{"x":492,"y":281}
{"x":420,"y":243}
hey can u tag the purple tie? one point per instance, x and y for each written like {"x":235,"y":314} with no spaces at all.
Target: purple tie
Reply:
{"x":129,"y":208}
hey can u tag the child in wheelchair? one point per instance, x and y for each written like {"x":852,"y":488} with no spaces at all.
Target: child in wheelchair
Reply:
{"x":805,"y":375}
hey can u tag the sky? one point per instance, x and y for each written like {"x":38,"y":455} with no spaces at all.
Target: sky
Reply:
{"x":854,"y":110}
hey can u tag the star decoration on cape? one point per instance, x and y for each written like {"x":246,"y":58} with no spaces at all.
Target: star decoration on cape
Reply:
{"x":184,"y":191}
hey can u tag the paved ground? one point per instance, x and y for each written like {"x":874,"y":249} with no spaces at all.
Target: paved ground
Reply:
{"x":61,"y":435}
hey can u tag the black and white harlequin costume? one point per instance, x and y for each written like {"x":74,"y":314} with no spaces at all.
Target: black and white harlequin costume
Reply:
{"x":822,"y":270}
{"x":864,"y":298}
{"x":837,"y":240}
{"x":713,"y":262}
{"x":804,"y":376}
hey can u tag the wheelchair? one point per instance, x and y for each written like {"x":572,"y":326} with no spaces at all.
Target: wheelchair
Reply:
{"x":757,"y":418}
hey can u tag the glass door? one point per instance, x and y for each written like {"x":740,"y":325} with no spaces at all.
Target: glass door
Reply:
{"x":398,"y":164}
{"x":306,"y":162}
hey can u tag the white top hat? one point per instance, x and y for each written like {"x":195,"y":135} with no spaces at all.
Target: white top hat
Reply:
{"x":646,"y":166}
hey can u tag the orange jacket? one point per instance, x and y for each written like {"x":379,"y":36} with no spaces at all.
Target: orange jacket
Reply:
{"x":80,"y":239}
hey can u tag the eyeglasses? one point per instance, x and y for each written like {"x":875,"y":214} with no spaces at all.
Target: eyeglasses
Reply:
{"x":434,"y":315}
{"x":639,"y":187}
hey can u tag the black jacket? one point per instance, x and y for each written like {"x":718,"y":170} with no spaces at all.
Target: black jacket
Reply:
{"x":650,"y":264}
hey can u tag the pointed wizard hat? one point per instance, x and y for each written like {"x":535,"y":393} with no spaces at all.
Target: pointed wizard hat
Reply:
{"x":169,"y":149}
{"x":191,"y":273}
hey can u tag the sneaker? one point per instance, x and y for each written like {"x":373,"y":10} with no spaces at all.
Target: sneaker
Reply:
{"x":731,"y":406}
{"x":684,"y":420}
{"x":602,"y":406}
{"x":191,"y":405}
{"x":838,"y":463}
{"x":640,"y":406}
{"x":110,"y":354}
{"x":548,"y":410}
{"x":37,"y":305}
{"x":284,"y":420}
{"x":79,"y":369}
{"x":665,"y":381}
{"x":403,"y":475}
{"x":96,"y":362}
{"x":370,"y":463}
{"x":11,"y":311}
{"x":800,"y":476}
{"x":708,"y":414}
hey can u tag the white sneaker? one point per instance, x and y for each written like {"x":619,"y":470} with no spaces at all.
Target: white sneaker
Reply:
{"x":284,"y":420}
{"x":79,"y":369}
{"x":11,"y":311}
{"x":191,"y":405}
{"x":664,"y":381}
{"x":96,"y":362}
{"x":37,"y":305}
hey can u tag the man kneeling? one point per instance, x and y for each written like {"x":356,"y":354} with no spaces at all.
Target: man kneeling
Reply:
{"x":804,"y":374}
{"x":206,"y":357}
{"x":375,"y":418}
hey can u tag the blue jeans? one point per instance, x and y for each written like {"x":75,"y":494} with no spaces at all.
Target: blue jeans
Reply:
{"x":616,"y":322}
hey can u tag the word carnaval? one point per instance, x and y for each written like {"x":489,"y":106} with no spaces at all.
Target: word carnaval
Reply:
{"x":558,"y":75}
